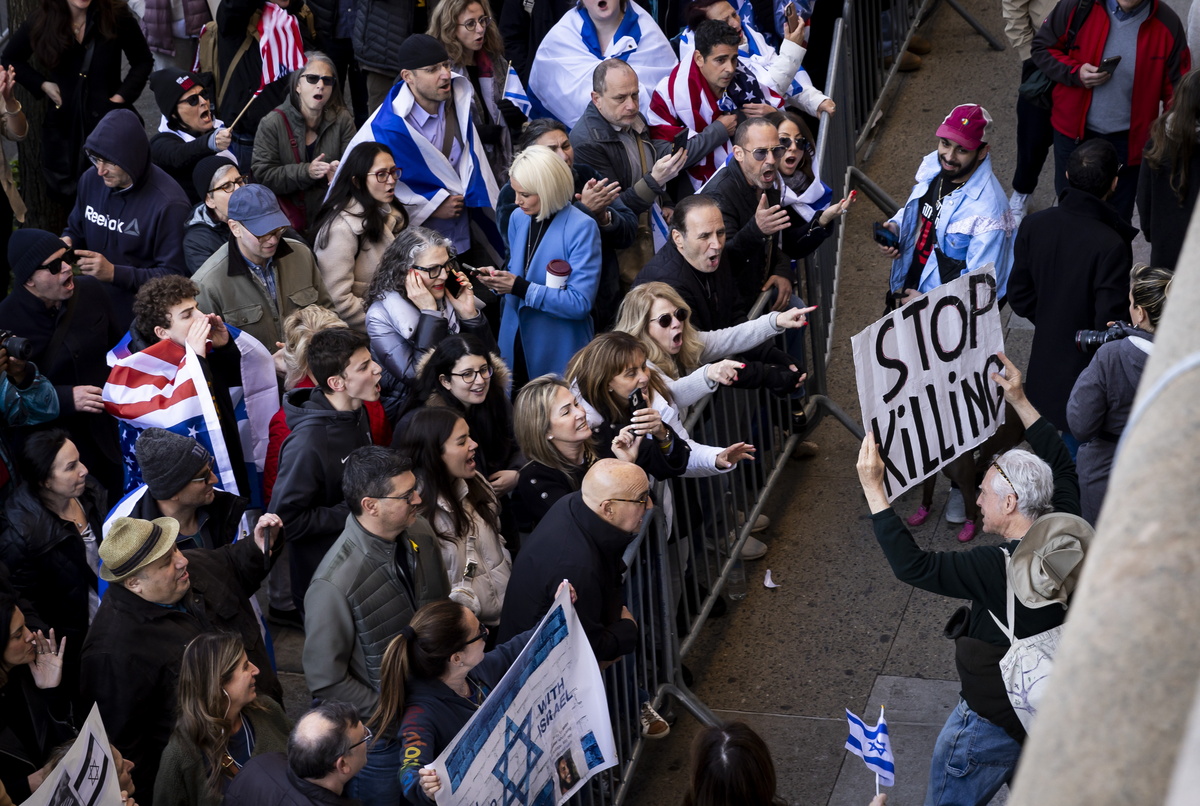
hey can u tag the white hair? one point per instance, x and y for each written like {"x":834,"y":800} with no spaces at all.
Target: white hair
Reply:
{"x":1030,"y":478}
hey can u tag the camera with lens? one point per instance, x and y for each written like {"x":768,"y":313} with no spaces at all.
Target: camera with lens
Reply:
{"x":1089,"y":341}
{"x":16,"y":346}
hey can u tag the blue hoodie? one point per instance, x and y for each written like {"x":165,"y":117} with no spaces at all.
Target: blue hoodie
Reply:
{"x":138,"y":228}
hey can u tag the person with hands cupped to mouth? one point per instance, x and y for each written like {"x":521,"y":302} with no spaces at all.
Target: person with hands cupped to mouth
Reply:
{"x":1031,"y":500}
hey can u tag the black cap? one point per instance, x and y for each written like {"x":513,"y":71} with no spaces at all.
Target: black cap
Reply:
{"x":168,"y":86}
{"x":28,"y":249}
{"x":420,"y":50}
{"x":206,"y":169}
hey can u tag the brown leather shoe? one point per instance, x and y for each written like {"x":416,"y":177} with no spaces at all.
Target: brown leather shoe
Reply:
{"x":920,"y":45}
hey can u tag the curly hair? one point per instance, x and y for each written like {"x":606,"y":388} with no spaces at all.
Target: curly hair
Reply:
{"x":443,"y":26}
{"x":298,"y":330}
{"x":634,"y":318}
{"x":152,"y":306}
{"x":399,"y":257}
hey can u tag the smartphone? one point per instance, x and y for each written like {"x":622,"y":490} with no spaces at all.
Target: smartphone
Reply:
{"x":680,"y":142}
{"x":791,"y":17}
{"x":1109,"y":64}
{"x":468,"y":269}
{"x":637,"y":401}
{"x":885,"y":237}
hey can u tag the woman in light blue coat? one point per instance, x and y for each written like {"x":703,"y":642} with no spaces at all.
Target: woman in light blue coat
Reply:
{"x":554,"y":269}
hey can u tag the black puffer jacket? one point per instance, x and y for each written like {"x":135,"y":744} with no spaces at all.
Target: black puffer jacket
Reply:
{"x":133,"y":650}
{"x":379,"y":28}
{"x":32,"y":723}
{"x":49,"y":566}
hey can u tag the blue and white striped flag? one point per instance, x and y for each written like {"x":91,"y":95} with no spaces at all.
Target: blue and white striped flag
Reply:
{"x":873,"y":746}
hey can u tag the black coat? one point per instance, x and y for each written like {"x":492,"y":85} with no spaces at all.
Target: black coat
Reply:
{"x":224,"y":515}
{"x":233,"y":17}
{"x":574,"y":543}
{"x":597,"y":144}
{"x":80,"y":361}
{"x":266,"y":780}
{"x":1163,"y":217}
{"x":523,"y":30}
{"x":133,"y":650}
{"x":178,"y":158}
{"x":32,"y":723}
{"x":539,"y":488}
{"x":1070,"y":272}
{"x":48,"y":563}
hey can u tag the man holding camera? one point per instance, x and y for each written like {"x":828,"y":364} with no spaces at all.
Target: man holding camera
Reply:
{"x":70,"y":325}
{"x":1070,"y":273}
{"x":956,"y":219}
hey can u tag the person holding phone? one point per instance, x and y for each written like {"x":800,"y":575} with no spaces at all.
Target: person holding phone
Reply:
{"x":411,"y":306}
{"x":1111,"y":79}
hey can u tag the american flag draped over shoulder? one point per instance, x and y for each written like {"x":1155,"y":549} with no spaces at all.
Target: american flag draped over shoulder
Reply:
{"x":279,"y":44}
{"x":683,"y":100}
{"x":163,"y":386}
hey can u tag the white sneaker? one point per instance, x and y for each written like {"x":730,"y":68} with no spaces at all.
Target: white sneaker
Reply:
{"x":761,"y":524}
{"x":653,"y":725}
{"x":754,"y":549}
{"x":1018,"y":204}
{"x":956,"y":510}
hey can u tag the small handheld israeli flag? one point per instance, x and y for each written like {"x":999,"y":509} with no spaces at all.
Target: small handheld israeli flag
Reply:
{"x":873,"y":746}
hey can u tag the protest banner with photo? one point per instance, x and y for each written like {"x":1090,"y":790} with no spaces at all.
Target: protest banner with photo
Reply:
{"x":87,"y":775}
{"x":924,"y":378}
{"x":542,"y":732}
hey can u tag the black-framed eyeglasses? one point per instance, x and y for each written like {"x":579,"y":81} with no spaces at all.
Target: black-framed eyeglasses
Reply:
{"x":56,"y":265}
{"x":482,"y":634}
{"x":194,"y":100}
{"x":406,"y":498}
{"x":640,"y":500}
{"x":760,"y":154}
{"x":204,"y":476}
{"x":468,"y":376}
{"x":367,"y":736}
{"x":664,"y":321}
{"x":474,"y":25}
{"x":383,"y":175}
{"x":312,"y":78}
{"x":1004,"y":476}
{"x":231,"y":185}
{"x":435,"y":272}
{"x":799,"y":142}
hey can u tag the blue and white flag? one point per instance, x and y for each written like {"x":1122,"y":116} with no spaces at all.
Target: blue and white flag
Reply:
{"x":873,"y":746}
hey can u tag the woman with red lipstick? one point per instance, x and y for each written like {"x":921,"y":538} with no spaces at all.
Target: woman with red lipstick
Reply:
{"x":462,"y":508}
{"x":469,"y":32}
{"x":299,"y":143}
{"x":221,"y":724}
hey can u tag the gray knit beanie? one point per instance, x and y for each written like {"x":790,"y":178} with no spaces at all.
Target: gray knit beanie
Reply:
{"x":168,"y":461}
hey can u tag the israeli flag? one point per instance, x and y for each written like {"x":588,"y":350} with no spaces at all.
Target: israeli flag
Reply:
{"x":873,"y":746}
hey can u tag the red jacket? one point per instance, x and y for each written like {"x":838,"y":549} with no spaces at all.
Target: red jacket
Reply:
{"x":1162,"y":59}
{"x":381,"y":434}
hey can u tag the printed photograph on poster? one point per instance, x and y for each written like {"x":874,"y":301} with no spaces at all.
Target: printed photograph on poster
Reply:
{"x":924,"y":378}
{"x":87,"y":775}
{"x":542,"y":732}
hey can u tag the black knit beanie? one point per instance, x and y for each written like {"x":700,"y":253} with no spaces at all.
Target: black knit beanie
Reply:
{"x":28,"y":249}
{"x":420,"y":50}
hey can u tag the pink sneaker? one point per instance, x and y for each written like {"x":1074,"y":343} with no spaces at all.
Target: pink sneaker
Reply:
{"x":918,"y":517}
{"x":967,"y":533}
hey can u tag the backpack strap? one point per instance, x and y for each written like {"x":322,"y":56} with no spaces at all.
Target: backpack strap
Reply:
{"x":251,"y":37}
{"x":1010,"y":605}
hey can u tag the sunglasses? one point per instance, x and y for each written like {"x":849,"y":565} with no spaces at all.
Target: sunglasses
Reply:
{"x":194,"y":100}
{"x":760,"y":154}
{"x":231,"y":185}
{"x":664,"y":321}
{"x":204,"y":476}
{"x":1004,"y":476}
{"x":311,"y":78}
{"x":275,"y":233}
{"x":55,"y":266}
{"x":800,"y":143}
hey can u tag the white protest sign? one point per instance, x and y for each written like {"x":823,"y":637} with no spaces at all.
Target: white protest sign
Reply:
{"x":924,"y":378}
{"x":542,"y":732}
{"x":87,"y":775}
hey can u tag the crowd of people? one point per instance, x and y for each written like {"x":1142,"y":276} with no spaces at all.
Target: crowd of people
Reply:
{"x":410,"y":363}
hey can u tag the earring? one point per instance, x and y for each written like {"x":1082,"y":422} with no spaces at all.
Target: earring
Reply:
{"x":550,"y":437}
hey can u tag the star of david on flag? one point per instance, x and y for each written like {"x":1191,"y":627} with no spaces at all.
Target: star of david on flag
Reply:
{"x":873,"y":746}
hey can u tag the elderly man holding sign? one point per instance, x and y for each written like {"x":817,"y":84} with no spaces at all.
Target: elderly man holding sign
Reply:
{"x":1032,"y":501}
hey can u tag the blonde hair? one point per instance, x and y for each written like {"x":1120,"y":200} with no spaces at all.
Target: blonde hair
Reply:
{"x":298,"y":330}
{"x":1149,"y":288}
{"x":539,"y":170}
{"x":531,"y":422}
{"x":634,"y":318}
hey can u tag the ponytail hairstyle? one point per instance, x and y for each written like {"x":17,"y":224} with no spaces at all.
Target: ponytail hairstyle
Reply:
{"x":1148,"y":288}
{"x":421,"y":651}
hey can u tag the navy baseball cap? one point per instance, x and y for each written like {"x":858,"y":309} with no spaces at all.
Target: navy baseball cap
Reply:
{"x":256,"y":208}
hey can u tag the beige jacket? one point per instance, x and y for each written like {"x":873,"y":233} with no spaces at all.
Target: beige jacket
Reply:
{"x":6,"y":177}
{"x":484,"y":592}
{"x":1022,"y":18}
{"x":348,"y":262}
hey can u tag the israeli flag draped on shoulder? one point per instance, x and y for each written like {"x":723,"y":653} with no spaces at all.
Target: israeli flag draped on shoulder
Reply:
{"x":873,"y":746}
{"x":815,"y":198}
{"x":561,"y":76}
{"x":427,"y":178}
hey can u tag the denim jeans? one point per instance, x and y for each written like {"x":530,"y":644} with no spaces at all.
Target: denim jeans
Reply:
{"x":378,"y":783}
{"x":972,"y":759}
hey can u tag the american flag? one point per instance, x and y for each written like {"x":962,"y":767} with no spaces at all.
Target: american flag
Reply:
{"x":158,"y":387}
{"x":279,"y":44}
{"x":683,"y":101}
